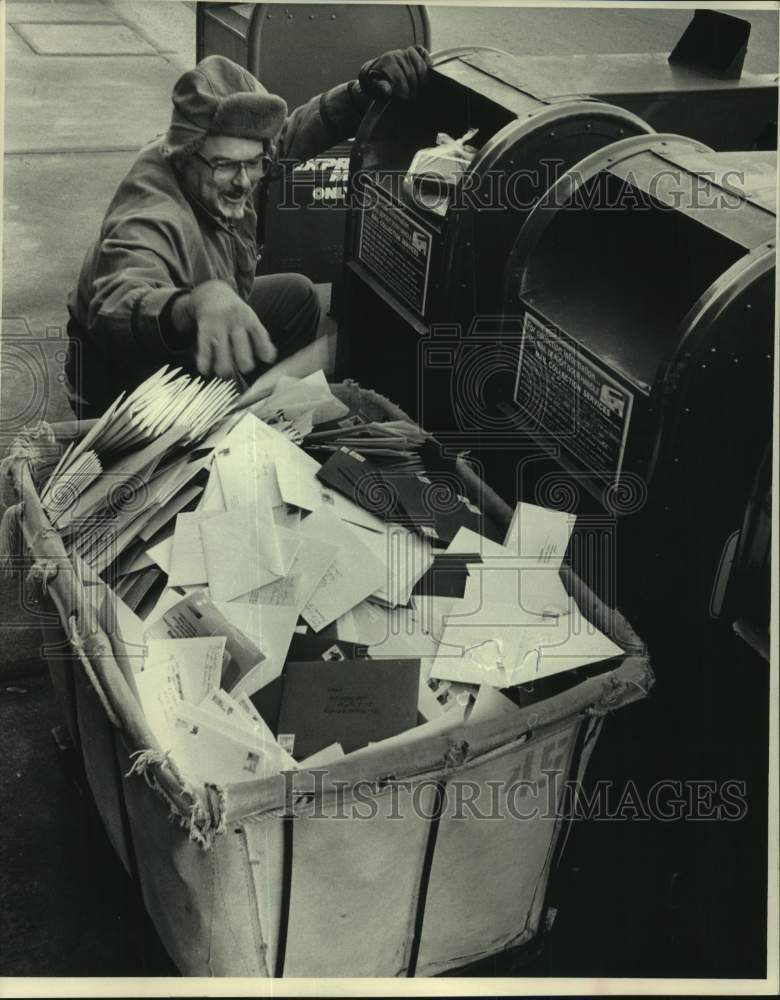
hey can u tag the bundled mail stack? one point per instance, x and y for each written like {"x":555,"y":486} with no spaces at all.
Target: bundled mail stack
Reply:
{"x":280,"y":612}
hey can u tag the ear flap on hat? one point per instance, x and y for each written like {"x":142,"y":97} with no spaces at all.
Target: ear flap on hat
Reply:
{"x":249,"y":116}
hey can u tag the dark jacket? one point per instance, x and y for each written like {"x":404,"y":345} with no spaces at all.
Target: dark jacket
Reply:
{"x":155,"y":242}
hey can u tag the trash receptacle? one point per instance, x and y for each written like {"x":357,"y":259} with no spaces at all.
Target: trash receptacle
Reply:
{"x":644,"y":284}
{"x":415,"y":275}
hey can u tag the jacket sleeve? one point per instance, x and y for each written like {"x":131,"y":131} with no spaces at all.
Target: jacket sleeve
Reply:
{"x":323,"y":121}
{"x":137,"y":272}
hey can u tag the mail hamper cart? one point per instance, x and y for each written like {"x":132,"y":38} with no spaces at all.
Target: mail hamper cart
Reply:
{"x":250,"y":879}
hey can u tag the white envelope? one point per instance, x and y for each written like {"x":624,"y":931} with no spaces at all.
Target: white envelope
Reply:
{"x":576,"y":643}
{"x":348,"y":511}
{"x":161,"y":553}
{"x":467,"y":541}
{"x":156,"y":695}
{"x":310,"y":565}
{"x":298,"y":483}
{"x":244,"y":550}
{"x":433,"y":611}
{"x":226,"y":708}
{"x":233,"y":722}
{"x":352,"y":576}
{"x":187,"y":561}
{"x":328,"y":755}
{"x":524,"y":582}
{"x":491,"y":704}
{"x":271,"y":629}
{"x":486,"y":647}
{"x":503,"y":646}
{"x":207,"y":753}
{"x":168,"y":598}
{"x":540,"y":534}
{"x":531,"y":580}
{"x":212,"y":499}
{"x":247,"y":475}
{"x":244,"y":702}
{"x":193,"y":666}
{"x":405,"y":556}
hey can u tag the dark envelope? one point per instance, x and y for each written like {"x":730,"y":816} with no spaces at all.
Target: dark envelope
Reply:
{"x":351,"y":702}
{"x":267,"y":701}
{"x":312,"y":646}
{"x":447,"y":576}
{"x":360,"y":481}
{"x":433,"y":504}
{"x":352,"y":419}
{"x":316,"y":646}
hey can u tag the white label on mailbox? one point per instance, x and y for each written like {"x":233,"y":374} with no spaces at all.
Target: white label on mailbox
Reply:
{"x":396,"y":249}
{"x":567,"y":396}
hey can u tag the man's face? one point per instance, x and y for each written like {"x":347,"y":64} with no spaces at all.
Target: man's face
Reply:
{"x":225,"y":190}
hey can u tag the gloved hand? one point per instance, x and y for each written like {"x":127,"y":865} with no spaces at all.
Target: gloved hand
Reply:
{"x":230,"y":337}
{"x":399,"y":73}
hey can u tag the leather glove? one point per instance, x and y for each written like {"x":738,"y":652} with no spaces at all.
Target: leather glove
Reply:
{"x":399,"y":73}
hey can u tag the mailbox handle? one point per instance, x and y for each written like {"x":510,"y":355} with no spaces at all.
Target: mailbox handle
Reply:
{"x":714,"y":43}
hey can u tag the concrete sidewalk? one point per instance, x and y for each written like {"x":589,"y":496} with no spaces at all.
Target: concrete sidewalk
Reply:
{"x":86,"y":85}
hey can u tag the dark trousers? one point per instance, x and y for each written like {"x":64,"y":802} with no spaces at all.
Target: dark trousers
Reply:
{"x":286,"y":304}
{"x":288,"y":307}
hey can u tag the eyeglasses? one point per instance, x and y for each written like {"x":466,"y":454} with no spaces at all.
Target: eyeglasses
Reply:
{"x":224,"y":171}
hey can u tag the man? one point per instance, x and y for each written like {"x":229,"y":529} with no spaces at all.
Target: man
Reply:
{"x":171,"y":277}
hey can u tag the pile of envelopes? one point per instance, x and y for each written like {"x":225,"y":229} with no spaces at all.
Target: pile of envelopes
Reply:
{"x":282,"y":613}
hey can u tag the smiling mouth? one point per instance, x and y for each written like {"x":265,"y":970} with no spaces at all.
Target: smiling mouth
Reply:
{"x":234,"y":199}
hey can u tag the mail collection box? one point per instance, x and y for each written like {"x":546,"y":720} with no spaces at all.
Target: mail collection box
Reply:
{"x":699,"y":89}
{"x":374,"y":867}
{"x":727,"y":114}
{"x":420,"y":270}
{"x":743,"y":591}
{"x":643,"y":288}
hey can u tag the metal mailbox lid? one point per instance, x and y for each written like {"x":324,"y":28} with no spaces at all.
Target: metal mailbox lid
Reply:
{"x":671,"y":97}
{"x":482,"y":71}
{"x":608,"y":76}
{"x":714,"y":189}
{"x":751,"y":175}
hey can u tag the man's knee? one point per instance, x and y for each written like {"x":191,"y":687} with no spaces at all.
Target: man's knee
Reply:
{"x":301,"y":288}
{"x":284,"y":299}
{"x":304,"y":303}
{"x":289,"y":307}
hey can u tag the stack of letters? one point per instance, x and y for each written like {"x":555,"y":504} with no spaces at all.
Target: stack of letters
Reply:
{"x":277,"y":612}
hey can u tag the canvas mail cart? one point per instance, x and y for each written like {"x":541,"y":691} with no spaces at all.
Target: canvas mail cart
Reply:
{"x":417,"y":280}
{"x":265,"y":879}
{"x":644,"y":288}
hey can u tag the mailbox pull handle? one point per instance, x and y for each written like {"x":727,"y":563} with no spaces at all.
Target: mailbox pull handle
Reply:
{"x":714,"y":43}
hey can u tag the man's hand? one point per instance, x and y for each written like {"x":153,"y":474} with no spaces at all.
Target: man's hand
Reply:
{"x":230,"y":337}
{"x":400,"y":73}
